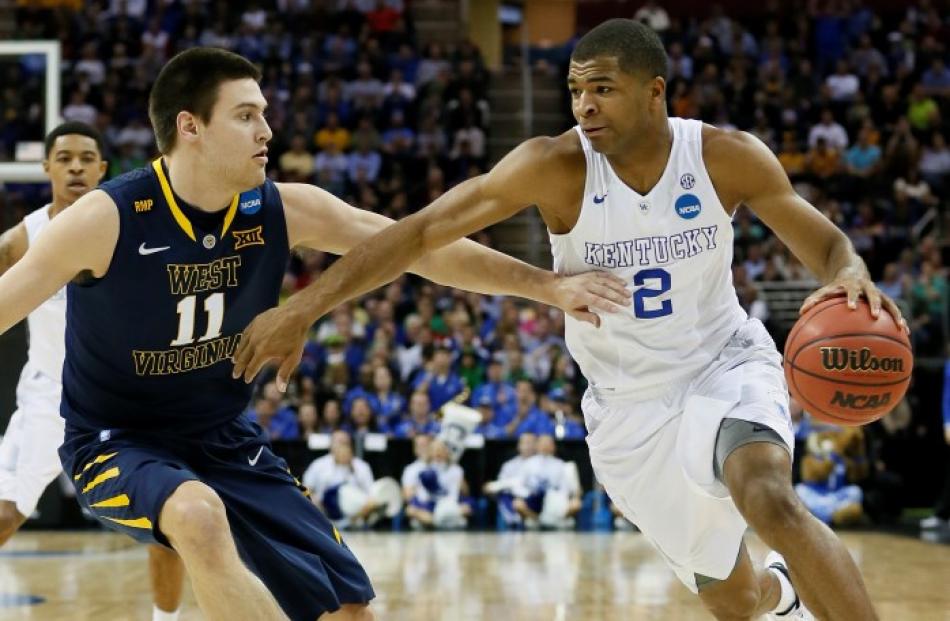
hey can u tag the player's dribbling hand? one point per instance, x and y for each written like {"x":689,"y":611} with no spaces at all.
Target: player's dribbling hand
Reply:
{"x":580,"y":295}
{"x":855,"y":287}
{"x":275,"y":335}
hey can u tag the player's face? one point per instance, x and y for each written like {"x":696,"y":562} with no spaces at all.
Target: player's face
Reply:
{"x":74,"y":166}
{"x":612,"y":106}
{"x":236,"y":137}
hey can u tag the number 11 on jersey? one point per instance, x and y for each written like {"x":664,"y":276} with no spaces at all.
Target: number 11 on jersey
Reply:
{"x":214,"y":307}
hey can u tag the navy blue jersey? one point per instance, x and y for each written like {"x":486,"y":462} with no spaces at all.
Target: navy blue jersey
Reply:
{"x":149,"y":345}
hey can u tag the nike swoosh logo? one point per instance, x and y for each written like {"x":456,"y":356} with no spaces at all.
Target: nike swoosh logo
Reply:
{"x":253,"y":462}
{"x":147,"y":251}
{"x":600,"y":199}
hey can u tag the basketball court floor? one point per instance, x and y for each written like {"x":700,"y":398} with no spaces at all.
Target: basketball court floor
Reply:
{"x":457,"y":577}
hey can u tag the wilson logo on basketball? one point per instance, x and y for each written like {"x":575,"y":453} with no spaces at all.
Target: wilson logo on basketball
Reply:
{"x":844,"y":359}
{"x":860,"y":402}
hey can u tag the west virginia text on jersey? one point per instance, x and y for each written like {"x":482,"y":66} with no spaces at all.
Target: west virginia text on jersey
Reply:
{"x":149,"y":344}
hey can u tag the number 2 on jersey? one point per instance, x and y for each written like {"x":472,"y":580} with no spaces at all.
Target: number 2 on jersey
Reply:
{"x":214,"y":307}
{"x":644,"y":293}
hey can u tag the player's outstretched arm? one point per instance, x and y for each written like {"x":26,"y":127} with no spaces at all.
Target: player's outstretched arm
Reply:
{"x":317,"y":219}
{"x":13,"y":245}
{"x":821,"y":246}
{"x":81,"y":239}
{"x":377,"y":254}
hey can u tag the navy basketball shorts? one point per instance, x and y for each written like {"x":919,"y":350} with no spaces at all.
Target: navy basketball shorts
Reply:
{"x":124,"y":478}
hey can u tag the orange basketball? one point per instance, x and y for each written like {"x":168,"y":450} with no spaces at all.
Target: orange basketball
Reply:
{"x":846,"y":367}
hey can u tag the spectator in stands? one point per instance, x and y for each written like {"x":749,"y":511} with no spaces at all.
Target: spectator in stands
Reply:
{"x":398,"y":139}
{"x":362,"y":418}
{"x":437,"y":492}
{"x":438,"y":380}
{"x":509,"y":480}
{"x":834,"y":463}
{"x":388,"y":404}
{"x":363,"y":164}
{"x":278,"y":420}
{"x":333,"y":134}
{"x":566,"y":423}
{"x":308,"y":419}
{"x":843,"y":84}
{"x":833,"y":133}
{"x":331,"y":417}
{"x":297,"y":164}
{"x":410,"y":474}
{"x":527,"y":416}
{"x":488,"y":428}
{"x":922,"y":110}
{"x":791,"y":157}
{"x":331,"y":166}
{"x":337,"y":478}
{"x":421,"y":419}
{"x":552,"y":494}
{"x":934,"y":163}
{"x":824,"y":162}
{"x":501,"y":393}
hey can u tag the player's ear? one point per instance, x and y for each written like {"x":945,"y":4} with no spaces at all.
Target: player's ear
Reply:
{"x":103,"y":167}
{"x":658,"y":90}
{"x":187,"y":125}
{"x":46,"y":165}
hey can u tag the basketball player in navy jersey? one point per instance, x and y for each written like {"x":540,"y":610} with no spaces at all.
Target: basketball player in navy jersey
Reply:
{"x":687,"y":409}
{"x":166,"y":266}
{"x":28,"y":459}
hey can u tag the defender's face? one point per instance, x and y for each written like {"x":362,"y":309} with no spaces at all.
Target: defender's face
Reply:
{"x":74,"y":166}
{"x":610,"y":105}
{"x":238,"y":133}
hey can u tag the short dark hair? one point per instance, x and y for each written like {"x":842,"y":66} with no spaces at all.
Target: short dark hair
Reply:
{"x":636,"y":46}
{"x":190,"y":81}
{"x":74,"y":127}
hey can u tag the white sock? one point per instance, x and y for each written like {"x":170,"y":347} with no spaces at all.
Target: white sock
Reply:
{"x":160,"y":615}
{"x":787,"y":596}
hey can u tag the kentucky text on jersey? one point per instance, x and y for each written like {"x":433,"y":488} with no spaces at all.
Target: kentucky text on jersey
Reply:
{"x":652,"y":250}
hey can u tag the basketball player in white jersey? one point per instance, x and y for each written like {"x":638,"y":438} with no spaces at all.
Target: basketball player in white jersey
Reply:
{"x":687,"y":408}
{"x":28,"y":458}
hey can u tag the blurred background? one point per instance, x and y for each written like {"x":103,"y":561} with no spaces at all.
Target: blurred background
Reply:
{"x":388,"y":103}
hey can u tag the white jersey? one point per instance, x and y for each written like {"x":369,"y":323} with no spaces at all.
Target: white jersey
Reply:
{"x":47,"y":323}
{"x":674,"y":246}
{"x":324,"y":473}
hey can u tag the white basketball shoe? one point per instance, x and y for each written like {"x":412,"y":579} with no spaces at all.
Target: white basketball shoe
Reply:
{"x":796,"y":611}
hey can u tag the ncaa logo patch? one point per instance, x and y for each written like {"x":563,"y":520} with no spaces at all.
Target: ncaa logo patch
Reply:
{"x":688,"y":206}
{"x":687,"y":181}
{"x":250,"y":202}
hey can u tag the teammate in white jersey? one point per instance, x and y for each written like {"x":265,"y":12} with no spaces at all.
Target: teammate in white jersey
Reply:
{"x":28,"y":458}
{"x":688,"y":409}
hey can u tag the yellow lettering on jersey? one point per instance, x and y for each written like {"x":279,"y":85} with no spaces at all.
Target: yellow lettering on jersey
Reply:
{"x":144,"y":205}
{"x":250,"y":237}
{"x":189,"y":278}
{"x":186,"y":358}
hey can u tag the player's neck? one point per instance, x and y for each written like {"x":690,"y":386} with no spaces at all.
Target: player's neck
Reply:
{"x":190,"y":182}
{"x":641,"y":163}
{"x":57,"y":206}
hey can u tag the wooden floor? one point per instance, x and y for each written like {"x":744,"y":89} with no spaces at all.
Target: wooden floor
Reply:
{"x":459,"y":577}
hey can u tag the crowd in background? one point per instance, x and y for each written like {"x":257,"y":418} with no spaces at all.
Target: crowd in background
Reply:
{"x":854,"y":103}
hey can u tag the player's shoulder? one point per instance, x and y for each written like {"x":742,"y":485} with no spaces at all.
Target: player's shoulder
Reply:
{"x":545,"y":165}
{"x":561,"y":151}
{"x":723,"y":144}
{"x":730,"y":154}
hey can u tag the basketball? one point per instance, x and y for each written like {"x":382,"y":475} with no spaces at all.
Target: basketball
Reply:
{"x":846,"y":367}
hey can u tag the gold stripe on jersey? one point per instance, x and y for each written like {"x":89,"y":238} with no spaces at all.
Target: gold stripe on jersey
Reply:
{"x":142,"y":522}
{"x":97,"y":460}
{"x":121,"y":500}
{"x":111,"y":473}
{"x":177,"y":213}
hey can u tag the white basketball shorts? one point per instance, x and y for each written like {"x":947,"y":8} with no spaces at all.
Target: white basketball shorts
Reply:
{"x":28,"y":458}
{"x":656,"y":458}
